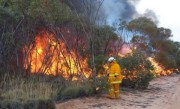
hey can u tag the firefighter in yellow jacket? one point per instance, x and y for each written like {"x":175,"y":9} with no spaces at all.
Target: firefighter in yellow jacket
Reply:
{"x":114,"y":78}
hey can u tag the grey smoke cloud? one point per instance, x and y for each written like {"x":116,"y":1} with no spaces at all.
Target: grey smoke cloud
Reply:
{"x":111,"y":10}
{"x":149,"y":14}
{"x":114,"y":10}
{"x":152,"y":15}
{"x":119,"y":9}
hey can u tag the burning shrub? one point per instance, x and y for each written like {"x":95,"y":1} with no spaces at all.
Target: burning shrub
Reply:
{"x":136,"y":70}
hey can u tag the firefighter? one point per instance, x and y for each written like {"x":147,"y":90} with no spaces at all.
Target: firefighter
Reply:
{"x":114,"y":78}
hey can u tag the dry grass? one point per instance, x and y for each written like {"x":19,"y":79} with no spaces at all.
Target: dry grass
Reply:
{"x":18,"y":88}
{"x":43,"y":87}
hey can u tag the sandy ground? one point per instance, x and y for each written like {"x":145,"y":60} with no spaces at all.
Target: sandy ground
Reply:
{"x":162,"y":93}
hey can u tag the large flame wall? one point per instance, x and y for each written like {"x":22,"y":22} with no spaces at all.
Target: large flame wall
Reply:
{"x":50,"y":55}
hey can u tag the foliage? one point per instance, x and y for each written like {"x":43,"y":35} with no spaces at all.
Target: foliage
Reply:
{"x":104,"y":37}
{"x":20,"y":21}
{"x":75,"y":90}
{"x":168,"y":54}
{"x":6,"y":16}
{"x":35,"y":87}
{"x":147,"y":35}
{"x":102,"y":85}
{"x":136,"y":70}
{"x":32,"y":104}
{"x":143,"y":26}
{"x":162,"y":36}
{"x":144,"y":32}
{"x":71,"y":92}
{"x":53,"y":11}
{"x":99,"y":61}
{"x":166,"y":60}
{"x":86,"y":88}
{"x":42,"y":87}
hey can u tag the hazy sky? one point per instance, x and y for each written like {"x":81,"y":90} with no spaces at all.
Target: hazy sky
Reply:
{"x":167,"y":12}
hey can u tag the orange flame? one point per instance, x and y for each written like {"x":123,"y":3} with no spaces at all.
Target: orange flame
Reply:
{"x":50,"y":56}
{"x":158,"y":68}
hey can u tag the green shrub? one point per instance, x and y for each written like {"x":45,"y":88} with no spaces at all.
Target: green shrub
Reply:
{"x":143,"y":79}
{"x":86,"y":88}
{"x":167,"y":60}
{"x":99,"y":62}
{"x":31,"y":104}
{"x":10,"y":105}
{"x":102,"y":84}
{"x":39,"y":104}
{"x":136,"y":70}
{"x":140,"y":82}
{"x":72,"y":92}
{"x":35,"y":87}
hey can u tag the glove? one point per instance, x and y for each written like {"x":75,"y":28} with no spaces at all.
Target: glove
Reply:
{"x":114,"y":78}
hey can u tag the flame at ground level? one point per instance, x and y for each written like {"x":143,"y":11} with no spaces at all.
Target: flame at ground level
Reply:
{"x":158,"y":68}
{"x":49,"y":55}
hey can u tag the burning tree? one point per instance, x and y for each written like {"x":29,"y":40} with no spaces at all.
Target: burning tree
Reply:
{"x":51,"y":54}
{"x":37,"y":45}
{"x":58,"y":37}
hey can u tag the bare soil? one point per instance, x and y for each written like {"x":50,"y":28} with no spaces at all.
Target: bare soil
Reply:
{"x":162,"y":93}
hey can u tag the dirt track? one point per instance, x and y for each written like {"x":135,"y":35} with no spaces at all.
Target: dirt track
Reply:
{"x":162,"y":93}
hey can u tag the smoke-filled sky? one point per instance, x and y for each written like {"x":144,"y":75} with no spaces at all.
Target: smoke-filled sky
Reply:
{"x":163,"y":12}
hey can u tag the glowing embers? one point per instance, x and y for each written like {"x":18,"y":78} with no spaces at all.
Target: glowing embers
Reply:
{"x":49,"y":55}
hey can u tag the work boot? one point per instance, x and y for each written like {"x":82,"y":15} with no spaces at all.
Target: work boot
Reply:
{"x":117,"y":95}
{"x":111,"y":96}
{"x":111,"y":92}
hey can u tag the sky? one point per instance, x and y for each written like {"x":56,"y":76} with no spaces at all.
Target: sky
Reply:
{"x":163,"y":12}
{"x":167,"y":13}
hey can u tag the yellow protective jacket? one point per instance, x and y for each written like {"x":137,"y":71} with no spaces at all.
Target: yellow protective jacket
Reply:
{"x":115,"y":76}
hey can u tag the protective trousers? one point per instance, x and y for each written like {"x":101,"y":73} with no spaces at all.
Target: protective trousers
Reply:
{"x":114,"y":90}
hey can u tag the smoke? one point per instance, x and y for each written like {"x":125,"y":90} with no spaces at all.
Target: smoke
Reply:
{"x":152,"y":15}
{"x":118,"y":9}
{"x":114,"y":10}
{"x":149,"y":14}
{"x":111,"y":10}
